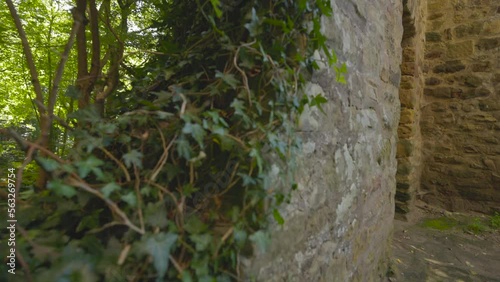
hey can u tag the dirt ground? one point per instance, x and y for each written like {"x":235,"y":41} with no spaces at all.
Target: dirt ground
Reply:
{"x":442,"y":246}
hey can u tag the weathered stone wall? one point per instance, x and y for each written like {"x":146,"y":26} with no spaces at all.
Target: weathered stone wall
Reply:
{"x":461,"y":109}
{"x":339,"y":224}
{"x":411,"y":89}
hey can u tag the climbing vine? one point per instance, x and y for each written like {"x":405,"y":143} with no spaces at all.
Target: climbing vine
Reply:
{"x":173,"y":182}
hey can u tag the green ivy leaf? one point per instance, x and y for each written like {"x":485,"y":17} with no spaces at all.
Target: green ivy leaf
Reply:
{"x":194,"y":225}
{"x":277,"y":216}
{"x":130,"y":199}
{"x":62,"y":189}
{"x":109,"y":188}
{"x":201,"y":240}
{"x":85,"y":166}
{"x":133,"y":157}
{"x":49,"y":164}
{"x":156,"y":215}
{"x":196,"y":131}
{"x":159,"y":247}
{"x":216,"y":6}
{"x":228,"y":78}
{"x":254,"y":25}
{"x":261,"y":240}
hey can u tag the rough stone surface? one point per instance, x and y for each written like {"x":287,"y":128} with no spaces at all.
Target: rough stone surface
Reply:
{"x":460,"y":108}
{"x":339,"y":224}
{"x":411,"y":91}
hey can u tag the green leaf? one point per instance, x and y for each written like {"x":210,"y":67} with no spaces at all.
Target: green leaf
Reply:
{"x":254,"y":25}
{"x":92,"y":163}
{"x":318,"y":100}
{"x":194,"y":225}
{"x":49,"y":164}
{"x":277,"y":216}
{"x":109,"y":188}
{"x":196,"y":131}
{"x":130,"y":199}
{"x":133,"y":157}
{"x":61,"y":188}
{"x":201,"y":240}
{"x":155,"y":215}
{"x":216,"y":6}
{"x":159,"y":247}
{"x":254,"y":153}
{"x":183,"y":148}
{"x":261,"y":240}
{"x":228,"y":78}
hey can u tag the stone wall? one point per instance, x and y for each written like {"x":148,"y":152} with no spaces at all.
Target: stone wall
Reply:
{"x":461,"y":108}
{"x":411,"y":89}
{"x":339,"y":224}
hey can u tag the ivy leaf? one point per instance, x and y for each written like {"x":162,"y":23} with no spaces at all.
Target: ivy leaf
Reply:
{"x":130,"y":199}
{"x":254,"y":24}
{"x":261,"y":240}
{"x":341,"y":73}
{"x":110,"y":188}
{"x":183,"y":148}
{"x":216,"y":6}
{"x":196,"y":131}
{"x":48,"y":164}
{"x":318,"y":100}
{"x":159,"y":247}
{"x":156,"y":215}
{"x":228,"y":78}
{"x":62,"y":189}
{"x":194,"y":225}
{"x":92,"y":163}
{"x":254,"y":153}
{"x":201,"y":240}
{"x":277,"y":216}
{"x":133,"y":157}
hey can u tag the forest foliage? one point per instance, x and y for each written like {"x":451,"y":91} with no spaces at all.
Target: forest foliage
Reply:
{"x":155,"y":126}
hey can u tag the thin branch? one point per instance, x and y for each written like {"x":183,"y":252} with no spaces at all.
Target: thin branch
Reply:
{"x":60,"y":69}
{"x":27,"y":52}
{"x":74,"y":180}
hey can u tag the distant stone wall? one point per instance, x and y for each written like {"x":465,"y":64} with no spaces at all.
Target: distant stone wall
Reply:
{"x":460,"y":119}
{"x":339,"y":224}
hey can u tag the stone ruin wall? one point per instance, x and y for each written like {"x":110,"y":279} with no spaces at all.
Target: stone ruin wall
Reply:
{"x":460,"y":114}
{"x":409,"y":152}
{"x":339,"y":224}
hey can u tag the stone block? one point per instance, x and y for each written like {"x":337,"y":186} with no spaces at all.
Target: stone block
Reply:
{"x":407,"y":82}
{"x":434,"y":53}
{"x":464,"y":30}
{"x":484,"y":66}
{"x":485,"y":44}
{"x":408,"y":69}
{"x":431,"y":81}
{"x":405,"y":148}
{"x":492,"y":27}
{"x":407,"y":98}
{"x":489,"y":105}
{"x":407,"y":116}
{"x":443,"y":92}
{"x":406,"y":131}
{"x":460,"y":50}
{"x":449,"y":67}
{"x":408,"y":55}
{"x":483,"y":117}
{"x":432,"y":37}
{"x":469,"y":80}
{"x":475,"y":93}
